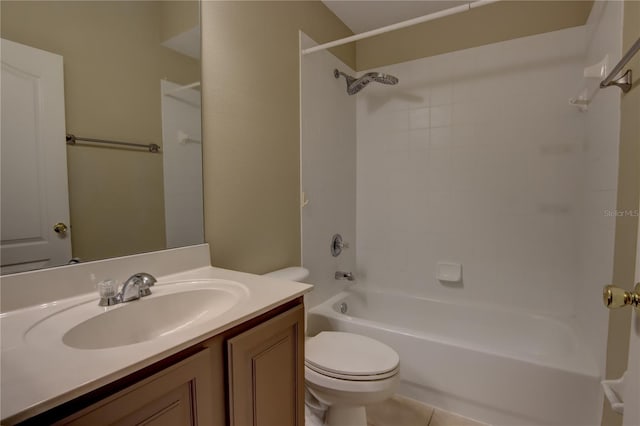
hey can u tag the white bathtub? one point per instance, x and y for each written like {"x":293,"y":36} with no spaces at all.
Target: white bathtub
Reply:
{"x":498,"y":366}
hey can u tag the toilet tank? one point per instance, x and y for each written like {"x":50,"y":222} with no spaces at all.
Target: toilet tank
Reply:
{"x":293,"y":273}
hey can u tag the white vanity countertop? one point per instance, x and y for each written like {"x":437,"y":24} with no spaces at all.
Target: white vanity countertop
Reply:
{"x":39,"y":375}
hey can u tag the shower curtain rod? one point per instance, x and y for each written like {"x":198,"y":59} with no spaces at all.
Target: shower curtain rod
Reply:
{"x":625,"y":82}
{"x":399,"y":25}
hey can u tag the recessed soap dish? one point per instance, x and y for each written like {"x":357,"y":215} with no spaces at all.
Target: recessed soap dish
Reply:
{"x":449,"y":272}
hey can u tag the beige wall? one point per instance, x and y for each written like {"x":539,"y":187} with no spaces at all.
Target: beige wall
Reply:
{"x":177,"y":17}
{"x":628,"y":197}
{"x":501,"y":21}
{"x":251,"y":128}
{"x":113,"y":63}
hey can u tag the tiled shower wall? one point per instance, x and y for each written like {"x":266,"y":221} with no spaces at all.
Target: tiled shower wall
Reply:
{"x":476,"y":157}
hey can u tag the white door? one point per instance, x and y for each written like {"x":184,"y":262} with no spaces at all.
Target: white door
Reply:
{"x":631,"y":415}
{"x":34,"y":192}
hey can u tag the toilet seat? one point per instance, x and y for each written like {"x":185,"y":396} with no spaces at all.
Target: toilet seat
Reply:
{"x":323,"y":381}
{"x":351,"y":377}
{"x":349,"y":356}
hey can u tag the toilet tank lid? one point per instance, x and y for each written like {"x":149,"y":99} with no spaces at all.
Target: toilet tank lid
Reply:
{"x":293,"y":273}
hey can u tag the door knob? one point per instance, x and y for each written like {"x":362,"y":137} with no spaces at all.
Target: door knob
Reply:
{"x":60,"y":228}
{"x":616,"y":297}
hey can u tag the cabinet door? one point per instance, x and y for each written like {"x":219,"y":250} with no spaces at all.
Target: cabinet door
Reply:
{"x":176,"y":396}
{"x":266,"y":372}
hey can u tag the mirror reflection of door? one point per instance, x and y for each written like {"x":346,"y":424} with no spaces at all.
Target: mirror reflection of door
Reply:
{"x":33,"y":153}
{"x":115,"y":55}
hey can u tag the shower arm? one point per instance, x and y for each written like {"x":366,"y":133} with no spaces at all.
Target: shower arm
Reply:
{"x":348,"y":78}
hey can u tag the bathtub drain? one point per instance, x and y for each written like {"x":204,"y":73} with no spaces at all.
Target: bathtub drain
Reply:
{"x":343,"y":308}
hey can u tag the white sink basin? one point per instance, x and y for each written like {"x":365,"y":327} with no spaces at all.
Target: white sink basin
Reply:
{"x":171,"y":308}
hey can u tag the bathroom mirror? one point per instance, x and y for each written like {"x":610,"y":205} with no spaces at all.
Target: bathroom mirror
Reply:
{"x":130,"y":73}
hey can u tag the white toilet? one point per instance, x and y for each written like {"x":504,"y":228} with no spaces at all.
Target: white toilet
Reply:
{"x":345,"y":371}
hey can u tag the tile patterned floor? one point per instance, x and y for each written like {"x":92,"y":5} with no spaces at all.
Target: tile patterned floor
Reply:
{"x":400,"y":411}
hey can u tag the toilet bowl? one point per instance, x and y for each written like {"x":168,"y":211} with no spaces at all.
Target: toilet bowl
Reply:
{"x":345,"y":371}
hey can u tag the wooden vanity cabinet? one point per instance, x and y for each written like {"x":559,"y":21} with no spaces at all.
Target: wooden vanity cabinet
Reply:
{"x":250,"y":375}
{"x":264,"y":365}
{"x":266,"y":373}
{"x":176,"y":396}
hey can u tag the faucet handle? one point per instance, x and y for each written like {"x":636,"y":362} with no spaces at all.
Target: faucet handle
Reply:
{"x":337,"y":245}
{"x":146,"y":281}
{"x":108,"y":290}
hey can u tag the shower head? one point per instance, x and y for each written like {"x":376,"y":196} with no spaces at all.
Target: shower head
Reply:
{"x":354,"y":85}
{"x":379,"y":77}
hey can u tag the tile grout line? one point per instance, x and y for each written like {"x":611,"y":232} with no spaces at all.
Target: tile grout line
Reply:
{"x":433,"y":411}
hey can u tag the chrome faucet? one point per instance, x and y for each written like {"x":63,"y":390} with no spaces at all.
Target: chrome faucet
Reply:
{"x":345,"y":276}
{"x":135,"y":287}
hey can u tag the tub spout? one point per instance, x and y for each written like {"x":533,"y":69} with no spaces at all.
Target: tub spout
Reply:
{"x":345,"y":276}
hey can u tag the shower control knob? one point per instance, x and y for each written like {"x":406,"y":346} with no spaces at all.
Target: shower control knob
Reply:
{"x":616,"y":297}
{"x":337,"y":244}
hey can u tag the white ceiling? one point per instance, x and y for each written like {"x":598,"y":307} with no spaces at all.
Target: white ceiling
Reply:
{"x":365,"y":15}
